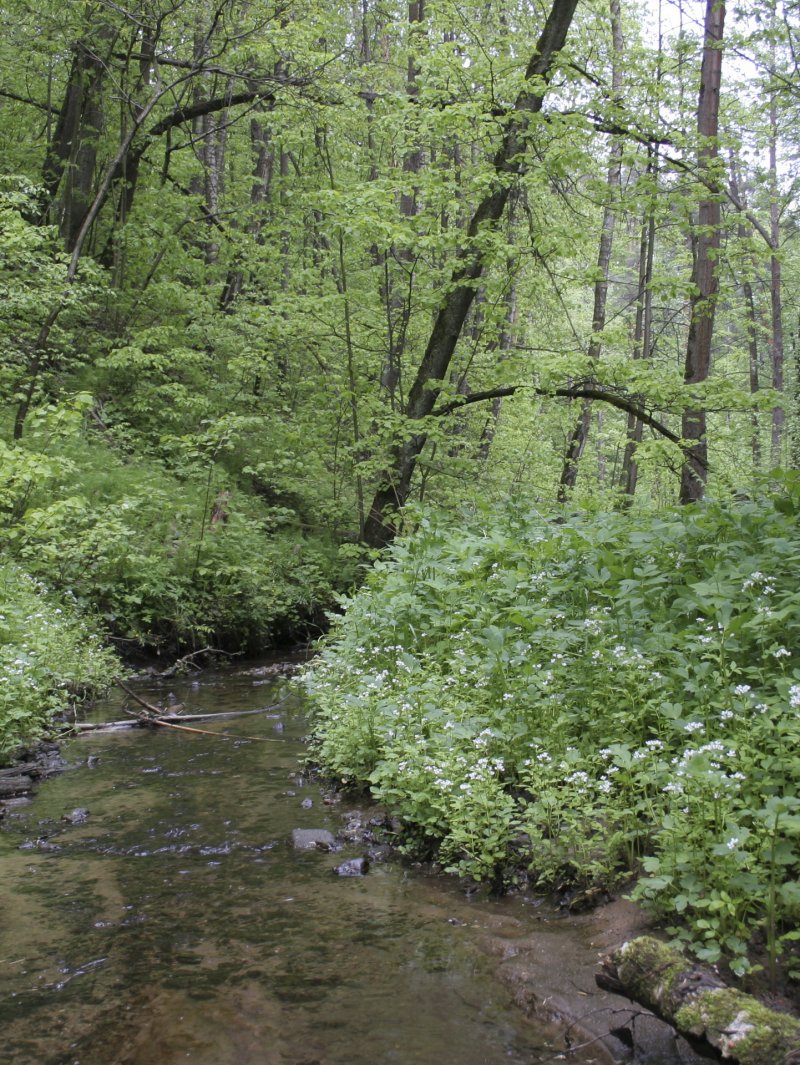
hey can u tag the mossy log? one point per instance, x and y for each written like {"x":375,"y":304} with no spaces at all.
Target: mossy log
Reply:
{"x":703,"y":1009}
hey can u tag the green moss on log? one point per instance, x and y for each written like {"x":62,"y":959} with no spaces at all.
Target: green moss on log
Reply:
{"x":696,"y":1002}
{"x":741,"y":1027}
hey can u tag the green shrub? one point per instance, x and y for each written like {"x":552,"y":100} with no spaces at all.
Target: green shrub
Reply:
{"x":50,"y":656}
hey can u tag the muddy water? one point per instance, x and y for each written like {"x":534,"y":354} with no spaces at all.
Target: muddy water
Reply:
{"x":177,"y":923}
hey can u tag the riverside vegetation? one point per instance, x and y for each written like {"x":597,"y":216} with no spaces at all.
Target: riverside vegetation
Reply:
{"x":586,"y":700}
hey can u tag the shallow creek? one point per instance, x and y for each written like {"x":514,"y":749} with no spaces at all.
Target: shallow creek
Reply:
{"x":178,"y":923}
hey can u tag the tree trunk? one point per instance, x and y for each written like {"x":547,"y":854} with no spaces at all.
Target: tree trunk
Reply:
{"x":69,"y":165}
{"x":694,"y":1000}
{"x":580,"y":433}
{"x":505,"y":344}
{"x":776,"y":305}
{"x":705,"y":282}
{"x":263,"y":165}
{"x":751,"y":320}
{"x":471,"y":260}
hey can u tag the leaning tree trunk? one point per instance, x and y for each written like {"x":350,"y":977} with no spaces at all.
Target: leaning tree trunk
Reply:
{"x":471,"y":261}
{"x":705,"y":280}
{"x":694,"y":1000}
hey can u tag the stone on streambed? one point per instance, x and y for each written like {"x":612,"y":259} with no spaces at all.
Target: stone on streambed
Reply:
{"x":309,"y":839}
{"x":353,"y":867}
{"x":78,"y":816}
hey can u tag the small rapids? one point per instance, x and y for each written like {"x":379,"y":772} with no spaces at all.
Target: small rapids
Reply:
{"x":170,"y":919}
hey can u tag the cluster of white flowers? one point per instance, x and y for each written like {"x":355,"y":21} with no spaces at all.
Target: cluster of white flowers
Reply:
{"x":753,"y":580}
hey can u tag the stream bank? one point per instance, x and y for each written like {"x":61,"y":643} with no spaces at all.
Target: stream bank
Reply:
{"x":176,"y":919}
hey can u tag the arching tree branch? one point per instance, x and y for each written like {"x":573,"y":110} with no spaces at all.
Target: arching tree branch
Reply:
{"x":587,"y":390}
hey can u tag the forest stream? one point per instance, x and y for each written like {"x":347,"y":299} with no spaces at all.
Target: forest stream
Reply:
{"x":155,"y":909}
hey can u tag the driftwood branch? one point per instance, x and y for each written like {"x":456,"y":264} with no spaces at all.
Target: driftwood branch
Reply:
{"x":696,"y":1002}
{"x":137,"y":720}
{"x":188,"y":660}
{"x":156,"y":716}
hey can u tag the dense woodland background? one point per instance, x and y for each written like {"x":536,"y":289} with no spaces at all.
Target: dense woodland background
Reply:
{"x":309,"y":262}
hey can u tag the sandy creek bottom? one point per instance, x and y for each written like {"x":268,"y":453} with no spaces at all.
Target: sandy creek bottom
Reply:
{"x":178,"y":924}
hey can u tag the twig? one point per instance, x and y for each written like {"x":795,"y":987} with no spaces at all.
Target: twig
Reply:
{"x":156,"y":710}
{"x":207,"y":732}
{"x":187,"y":659}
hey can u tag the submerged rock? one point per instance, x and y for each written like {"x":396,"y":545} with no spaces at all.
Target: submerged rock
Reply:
{"x":353,"y":867}
{"x":77,"y":816}
{"x":309,"y":839}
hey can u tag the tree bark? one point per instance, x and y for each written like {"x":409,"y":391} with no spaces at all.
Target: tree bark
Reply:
{"x":471,"y":261}
{"x":642,"y":332}
{"x":71,"y":156}
{"x":705,"y":281}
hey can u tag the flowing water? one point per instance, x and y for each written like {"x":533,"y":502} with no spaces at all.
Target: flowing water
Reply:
{"x":177,"y":923}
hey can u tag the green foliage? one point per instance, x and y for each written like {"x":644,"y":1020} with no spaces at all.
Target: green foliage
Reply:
{"x":32,"y":282}
{"x":604,"y":695}
{"x":50,"y":656}
{"x":167,"y":561}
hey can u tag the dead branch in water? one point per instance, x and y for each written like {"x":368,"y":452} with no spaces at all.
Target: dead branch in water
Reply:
{"x":158,"y":716}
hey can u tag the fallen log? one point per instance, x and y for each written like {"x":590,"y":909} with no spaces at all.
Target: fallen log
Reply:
{"x":696,"y":1002}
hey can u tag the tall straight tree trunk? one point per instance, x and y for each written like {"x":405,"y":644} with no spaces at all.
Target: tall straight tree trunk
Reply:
{"x":705,"y":281}
{"x":263,"y":164}
{"x":751,"y":319}
{"x":505,"y":343}
{"x":776,"y":304}
{"x":397,"y":283}
{"x":580,"y":434}
{"x":471,"y":261}
{"x":643,"y":329}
